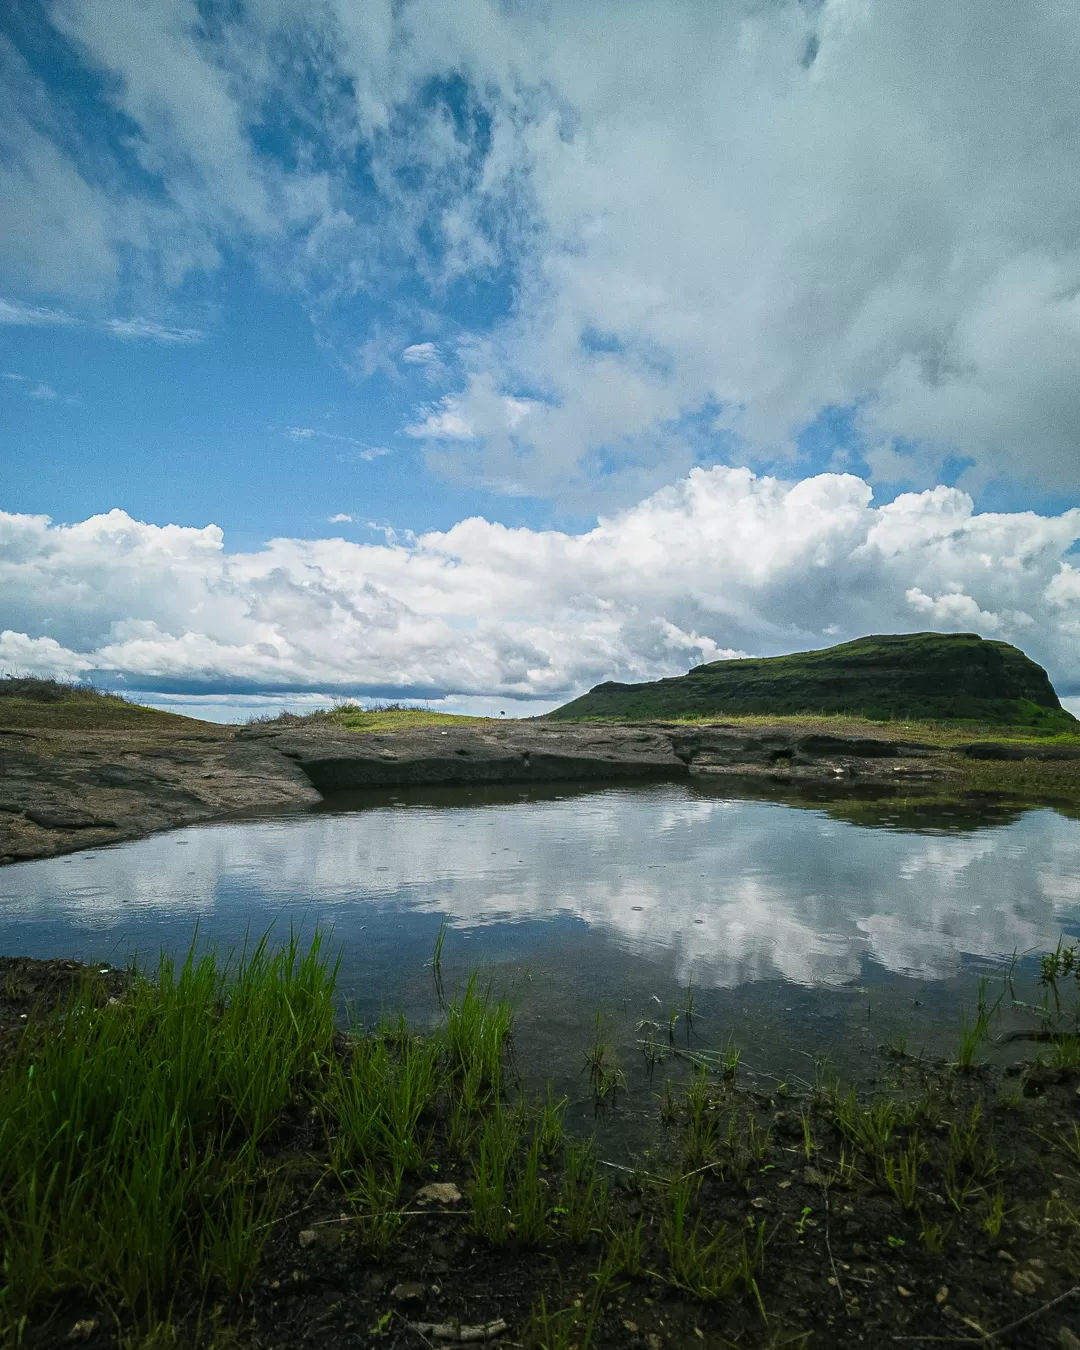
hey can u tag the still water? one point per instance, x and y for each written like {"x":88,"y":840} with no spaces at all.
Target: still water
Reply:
{"x":798,"y":929}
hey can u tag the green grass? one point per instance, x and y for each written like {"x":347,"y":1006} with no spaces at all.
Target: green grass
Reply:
{"x":704,"y":1262}
{"x":134,"y":1136}
{"x":129,"y":1135}
{"x":869,"y":1128}
{"x":383,"y":717}
{"x":30,"y":703}
{"x":908,"y":676}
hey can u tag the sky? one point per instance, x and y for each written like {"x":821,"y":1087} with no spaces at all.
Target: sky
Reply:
{"x":472,"y":354}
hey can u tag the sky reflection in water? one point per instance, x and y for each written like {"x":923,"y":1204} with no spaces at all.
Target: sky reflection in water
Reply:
{"x":718,"y":890}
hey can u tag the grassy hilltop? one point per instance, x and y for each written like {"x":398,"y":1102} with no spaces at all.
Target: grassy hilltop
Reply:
{"x":907,"y":676}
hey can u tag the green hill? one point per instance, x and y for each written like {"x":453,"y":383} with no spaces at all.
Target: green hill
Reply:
{"x":911,"y":676}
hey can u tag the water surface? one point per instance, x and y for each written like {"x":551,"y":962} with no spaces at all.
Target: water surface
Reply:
{"x":798,"y":929}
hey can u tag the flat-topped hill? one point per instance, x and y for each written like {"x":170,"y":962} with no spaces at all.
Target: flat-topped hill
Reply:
{"x":910,"y":676}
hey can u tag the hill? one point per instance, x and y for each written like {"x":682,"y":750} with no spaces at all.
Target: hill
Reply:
{"x":29,"y":702}
{"x":909,"y":676}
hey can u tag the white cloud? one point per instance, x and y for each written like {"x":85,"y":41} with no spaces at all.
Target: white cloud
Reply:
{"x":719,"y":563}
{"x":43,"y":391}
{"x":362,"y":449}
{"x":145,"y":330}
{"x":13,"y":313}
{"x":421,"y":354}
{"x":746,"y":212}
{"x":340,"y":519}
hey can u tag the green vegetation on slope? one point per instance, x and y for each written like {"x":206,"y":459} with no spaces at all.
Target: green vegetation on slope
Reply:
{"x":908,"y":676}
{"x":32,"y":703}
{"x":389,"y":717}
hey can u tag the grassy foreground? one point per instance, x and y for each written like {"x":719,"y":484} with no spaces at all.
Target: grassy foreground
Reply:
{"x":205,"y":1162}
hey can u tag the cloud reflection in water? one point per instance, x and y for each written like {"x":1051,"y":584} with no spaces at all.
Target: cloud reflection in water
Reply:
{"x":727,"y":891}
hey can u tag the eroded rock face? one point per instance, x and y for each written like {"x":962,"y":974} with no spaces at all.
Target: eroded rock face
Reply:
{"x":522,"y":752}
{"x":67,"y":790}
{"x":62,"y":790}
{"x":336,"y":761}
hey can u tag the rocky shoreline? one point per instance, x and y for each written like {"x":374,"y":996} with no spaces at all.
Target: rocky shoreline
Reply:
{"x":64,"y":789}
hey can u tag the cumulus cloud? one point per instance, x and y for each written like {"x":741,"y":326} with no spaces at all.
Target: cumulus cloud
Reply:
{"x":340,"y":519}
{"x":748,"y":214}
{"x":720,"y":563}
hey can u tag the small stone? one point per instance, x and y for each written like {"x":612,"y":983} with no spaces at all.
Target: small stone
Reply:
{"x":784,"y":1185}
{"x":941,"y":1295}
{"x":629,"y":1326}
{"x":1026,"y":1282}
{"x":409,"y":1291}
{"x":759,"y":1202}
{"x":307,"y":1237}
{"x":904,"y":1293}
{"x":439,"y":1193}
{"x":86,"y":1326}
{"x":653,"y":1341}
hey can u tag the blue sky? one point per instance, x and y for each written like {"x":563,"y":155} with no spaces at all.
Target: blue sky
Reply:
{"x":301,"y":272}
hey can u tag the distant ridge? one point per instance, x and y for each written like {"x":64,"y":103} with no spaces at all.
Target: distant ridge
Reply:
{"x":916,"y":676}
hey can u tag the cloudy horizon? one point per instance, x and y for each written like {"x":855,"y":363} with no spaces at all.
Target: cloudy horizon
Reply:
{"x":476,"y":355}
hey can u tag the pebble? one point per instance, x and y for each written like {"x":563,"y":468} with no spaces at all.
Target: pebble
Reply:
{"x":407,"y":1292}
{"x":439,"y":1193}
{"x":1026,"y":1281}
{"x":307,"y":1237}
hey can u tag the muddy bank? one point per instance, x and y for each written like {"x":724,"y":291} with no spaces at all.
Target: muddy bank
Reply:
{"x":68,"y":788}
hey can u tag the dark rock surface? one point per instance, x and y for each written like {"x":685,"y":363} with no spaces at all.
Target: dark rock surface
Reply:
{"x":62,"y":790}
{"x":495,"y":752}
{"x":70,"y":789}
{"x":522,"y":752}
